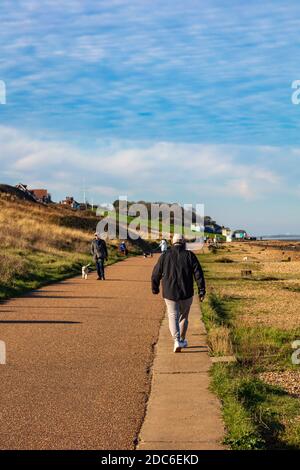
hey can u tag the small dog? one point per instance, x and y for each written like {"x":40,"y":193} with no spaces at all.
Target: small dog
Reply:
{"x":245,"y":258}
{"x":85,"y":271}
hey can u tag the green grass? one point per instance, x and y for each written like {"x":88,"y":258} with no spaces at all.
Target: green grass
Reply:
{"x":36,"y":268}
{"x":215,"y":312}
{"x":242,"y":434}
{"x":40,"y":269}
{"x":264,"y":348}
{"x":256,"y":415}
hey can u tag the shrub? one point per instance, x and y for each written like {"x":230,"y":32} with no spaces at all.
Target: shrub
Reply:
{"x":224,"y":260}
{"x":12,"y":267}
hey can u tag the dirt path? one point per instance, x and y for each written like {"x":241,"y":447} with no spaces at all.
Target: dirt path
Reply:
{"x":78,"y":355}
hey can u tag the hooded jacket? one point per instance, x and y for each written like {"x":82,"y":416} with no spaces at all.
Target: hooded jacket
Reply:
{"x":177,"y":268}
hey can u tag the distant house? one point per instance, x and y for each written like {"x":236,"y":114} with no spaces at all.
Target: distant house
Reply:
{"x":38,"y":195}
{"x":196,"y":228}
{"x":41,"y":195}
{"x":23,"y":187}
{"x":70,"y":201}
{"x":240,"y":234}
{"x":227,"y":233}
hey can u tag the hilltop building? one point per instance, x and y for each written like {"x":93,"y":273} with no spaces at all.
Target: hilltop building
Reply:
{"x":70,"y":201}
{"x":227,"y":233}
{"x":39,"y":195}
{"x":240,"y":234}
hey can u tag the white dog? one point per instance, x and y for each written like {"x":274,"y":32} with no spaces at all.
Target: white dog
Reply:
{"x":245,"y":258}
{"x":85,"y":271}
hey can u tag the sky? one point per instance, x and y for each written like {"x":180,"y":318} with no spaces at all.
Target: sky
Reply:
{"x":159,"y":100}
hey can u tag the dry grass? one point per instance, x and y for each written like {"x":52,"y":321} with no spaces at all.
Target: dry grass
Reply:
{"x":24,"y":226}
{"x":272,"y":297}
{"x":40,"y":243}
{"x":11,"y":266}
{"x":219,"y":342}
{"x":262,"y":388}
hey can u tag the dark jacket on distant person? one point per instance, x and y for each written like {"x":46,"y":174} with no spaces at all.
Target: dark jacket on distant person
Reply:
{"x":99,"y":249}
{"x":177,"y":268}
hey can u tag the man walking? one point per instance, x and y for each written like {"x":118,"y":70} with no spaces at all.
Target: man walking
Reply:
{"x":177,"y":268}
{"x":99,"y":253}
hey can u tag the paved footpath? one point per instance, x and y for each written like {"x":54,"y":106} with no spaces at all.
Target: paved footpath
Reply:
{"x":182,"y":413}
{"x":78,"y":359}
{"x":79,"y":355}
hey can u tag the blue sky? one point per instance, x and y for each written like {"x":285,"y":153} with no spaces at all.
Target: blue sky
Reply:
{"x":160,"y":100}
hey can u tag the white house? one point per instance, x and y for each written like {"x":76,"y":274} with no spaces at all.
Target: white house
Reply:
{"x":227,"y":233}
{"x":195,"y":227}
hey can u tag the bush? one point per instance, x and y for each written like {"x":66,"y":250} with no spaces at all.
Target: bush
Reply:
{"x":224,"y":260}
{"x":12,"y":267}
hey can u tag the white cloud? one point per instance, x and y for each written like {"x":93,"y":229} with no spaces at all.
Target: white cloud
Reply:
{"x":159,"y":170}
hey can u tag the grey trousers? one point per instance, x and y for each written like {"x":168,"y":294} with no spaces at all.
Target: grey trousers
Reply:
{"x":178,"y":313}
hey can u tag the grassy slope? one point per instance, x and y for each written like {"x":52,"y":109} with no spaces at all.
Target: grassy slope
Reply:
{"x":241,"y":318}
{"x":41,"y":244}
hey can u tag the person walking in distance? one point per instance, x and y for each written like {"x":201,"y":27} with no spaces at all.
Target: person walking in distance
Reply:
{"x":99,"y":253}
{"x":123,"y":248}
{"x":177,"y":268}
{"x":163,"y":246}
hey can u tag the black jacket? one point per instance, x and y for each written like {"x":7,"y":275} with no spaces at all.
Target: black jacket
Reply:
{"x":177,"y":268}
{"x":99,"y":249}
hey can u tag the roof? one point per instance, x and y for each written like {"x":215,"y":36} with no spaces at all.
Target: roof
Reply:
{"x":40,"y":193}
{"x":5,"y":188}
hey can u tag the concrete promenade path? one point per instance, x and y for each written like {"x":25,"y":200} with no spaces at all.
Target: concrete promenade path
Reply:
{"x":182,"y":413}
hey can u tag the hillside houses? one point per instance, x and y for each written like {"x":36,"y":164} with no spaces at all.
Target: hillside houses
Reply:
{"x":39,"y":195}
{"x":70,"y":201}
{"x":42,"y":196}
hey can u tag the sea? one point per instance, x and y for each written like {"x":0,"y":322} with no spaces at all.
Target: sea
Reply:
{"x":287,"y":238}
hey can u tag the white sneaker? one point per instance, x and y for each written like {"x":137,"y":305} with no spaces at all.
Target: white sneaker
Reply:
{"x":177,"y":346}
{"x":184,"y":343}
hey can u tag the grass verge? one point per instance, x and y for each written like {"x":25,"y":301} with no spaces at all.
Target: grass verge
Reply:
{"x":44,"y":244}
{"x":257,"y":415}
{"x":30,"y":270}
